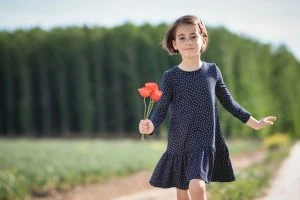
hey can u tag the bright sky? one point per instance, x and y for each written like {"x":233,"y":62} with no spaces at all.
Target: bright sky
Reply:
{"x":269,"y":21}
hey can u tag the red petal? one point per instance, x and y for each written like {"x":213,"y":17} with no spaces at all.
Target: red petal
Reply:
{"x":156,"y":95}
{"x":151,"y":86}
{"x":144,"y":92}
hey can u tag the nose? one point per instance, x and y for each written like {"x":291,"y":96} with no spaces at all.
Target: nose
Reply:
{"x":189,"y":42}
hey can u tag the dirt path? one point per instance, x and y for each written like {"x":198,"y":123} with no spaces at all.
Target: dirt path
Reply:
{"x":286,"y":184}
{"x":239,"y":162}
{"x":136,"y":186}
{"x":107,"y":191}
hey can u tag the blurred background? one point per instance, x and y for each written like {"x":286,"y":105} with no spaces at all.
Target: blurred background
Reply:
{"x":70,"y":70}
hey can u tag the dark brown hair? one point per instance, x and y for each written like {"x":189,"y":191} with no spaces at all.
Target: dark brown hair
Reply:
{"x":169,"y":36}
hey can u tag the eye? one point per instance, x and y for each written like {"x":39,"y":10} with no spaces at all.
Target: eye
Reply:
{"x":181,"y":38}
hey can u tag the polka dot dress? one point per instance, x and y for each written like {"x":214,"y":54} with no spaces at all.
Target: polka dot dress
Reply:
{"x":196,"y":147}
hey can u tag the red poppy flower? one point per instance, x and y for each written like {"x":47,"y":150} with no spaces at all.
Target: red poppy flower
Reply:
{"x":150,"y":90}
{"x":151,"y":86}
{"x":144,"y":92}
{"x":156,"y":95}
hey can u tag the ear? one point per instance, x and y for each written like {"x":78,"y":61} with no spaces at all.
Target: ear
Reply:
{"x":204,"y":40}
{"x":174,"y":44}
{"x":202,"y":49}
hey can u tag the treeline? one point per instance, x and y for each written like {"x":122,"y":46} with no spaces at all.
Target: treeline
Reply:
{"x":82,"y":81}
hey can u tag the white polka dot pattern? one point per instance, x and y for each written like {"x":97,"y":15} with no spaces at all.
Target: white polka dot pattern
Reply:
{"x":196,"y":147}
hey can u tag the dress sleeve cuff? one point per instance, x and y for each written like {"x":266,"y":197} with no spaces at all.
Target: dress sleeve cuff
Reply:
{"x":246,"y":117}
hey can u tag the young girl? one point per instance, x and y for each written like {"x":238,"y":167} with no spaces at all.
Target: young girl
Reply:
{"x":196,"y":153}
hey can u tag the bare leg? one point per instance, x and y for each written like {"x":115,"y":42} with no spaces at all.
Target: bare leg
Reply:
{"x":182,"y":195}
{"x":197,"y":189}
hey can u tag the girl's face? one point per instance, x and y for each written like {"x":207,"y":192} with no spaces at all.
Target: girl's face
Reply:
{"x":188,"y":40}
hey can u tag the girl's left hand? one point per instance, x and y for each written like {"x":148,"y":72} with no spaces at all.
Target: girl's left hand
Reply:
{"x":267,"y":121}
{"x":257,"y":125}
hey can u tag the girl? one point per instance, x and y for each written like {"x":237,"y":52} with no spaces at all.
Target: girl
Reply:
{"x":196,"y":152}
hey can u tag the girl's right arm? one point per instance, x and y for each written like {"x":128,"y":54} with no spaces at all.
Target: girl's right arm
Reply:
{"x":161,"y":109}
{"x":146,"y":126}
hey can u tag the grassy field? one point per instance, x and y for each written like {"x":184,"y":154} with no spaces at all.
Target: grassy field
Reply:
{"x":39,"y":166}
{"x":251,"y":182}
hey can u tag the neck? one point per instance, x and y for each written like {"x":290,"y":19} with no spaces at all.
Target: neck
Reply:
{"x":190,"y":65}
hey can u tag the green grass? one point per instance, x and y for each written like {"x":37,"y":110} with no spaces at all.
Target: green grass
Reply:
{"x":240,"y":146}
{"x":251,"y":182}
{"x":39,"y":166}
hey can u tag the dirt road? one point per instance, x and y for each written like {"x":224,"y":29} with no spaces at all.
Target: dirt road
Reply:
{"x":136,"y":186}
{"x":239,"y":163}
{"x":286,"y":183}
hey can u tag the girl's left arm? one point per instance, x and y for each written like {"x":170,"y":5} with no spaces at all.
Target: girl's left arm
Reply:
{"x":257,"y":125}
{"x":227,"y":101}
{"x":235,"y":109}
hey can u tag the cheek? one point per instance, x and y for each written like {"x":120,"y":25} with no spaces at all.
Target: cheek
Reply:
{"x":201,"y":41}
{"x":181,"y":42}
{"x":178,"y":44}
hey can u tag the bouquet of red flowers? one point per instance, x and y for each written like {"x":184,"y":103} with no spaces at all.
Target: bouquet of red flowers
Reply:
{"x":150,"y":90}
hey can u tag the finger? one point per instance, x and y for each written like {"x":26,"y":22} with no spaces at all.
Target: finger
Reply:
{"x":142,"y":131}
{"x":268,"y":123}
{"x":271,"y":118}
{"x":143,"y":128}
{"x":143,"y":123}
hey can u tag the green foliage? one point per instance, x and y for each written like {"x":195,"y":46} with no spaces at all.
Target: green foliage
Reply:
{"x":246,"y":187}
{"x":12,"y":185}
{"x":251,"y":182}
{"x":39,"y":166}
{"x":74,"y":80}
{"x":237,"y":146}
{"x":276,"y":141}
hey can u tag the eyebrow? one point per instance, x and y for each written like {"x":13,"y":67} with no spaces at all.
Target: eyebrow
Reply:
{"x":180,"y":35}
{"x":184,"y":35}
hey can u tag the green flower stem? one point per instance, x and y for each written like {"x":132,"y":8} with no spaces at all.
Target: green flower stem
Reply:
{"x":147,"y":112}
{"x":143,"y":137}
{"x":150,"y":107}
{"x":145,"y":117}
{"x":145,"y":108}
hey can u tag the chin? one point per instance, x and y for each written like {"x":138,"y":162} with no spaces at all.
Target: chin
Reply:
{"x":191,"y":55}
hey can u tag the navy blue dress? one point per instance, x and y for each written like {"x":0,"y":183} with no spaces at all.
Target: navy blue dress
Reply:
{"x":196,"y":147}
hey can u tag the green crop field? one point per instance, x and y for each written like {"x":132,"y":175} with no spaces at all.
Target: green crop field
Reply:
{"x":38,"y":165}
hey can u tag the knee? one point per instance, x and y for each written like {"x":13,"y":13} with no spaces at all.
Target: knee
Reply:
{"x":182,"y":195}
{"x":197,"y":186}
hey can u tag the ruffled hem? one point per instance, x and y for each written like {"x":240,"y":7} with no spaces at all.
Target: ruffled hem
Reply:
{"x":177,"y":169}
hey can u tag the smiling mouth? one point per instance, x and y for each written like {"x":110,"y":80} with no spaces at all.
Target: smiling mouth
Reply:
{"x":188,"y":49}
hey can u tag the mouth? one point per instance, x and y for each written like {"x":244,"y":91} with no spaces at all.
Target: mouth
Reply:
{"x":188,"y":49}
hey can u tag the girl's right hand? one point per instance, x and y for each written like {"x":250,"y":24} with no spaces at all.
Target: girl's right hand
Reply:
{"x":146,"y":126}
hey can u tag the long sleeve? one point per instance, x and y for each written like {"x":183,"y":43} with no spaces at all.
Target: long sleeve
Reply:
{"x":162,"y":106}
{"x":227,"y":101}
